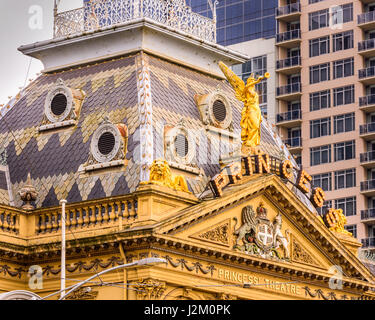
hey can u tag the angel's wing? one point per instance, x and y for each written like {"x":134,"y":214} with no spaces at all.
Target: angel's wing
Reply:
{"x":237,"y":84}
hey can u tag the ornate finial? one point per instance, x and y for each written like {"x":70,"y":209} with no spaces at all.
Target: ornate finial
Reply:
{"x":28,"y":194}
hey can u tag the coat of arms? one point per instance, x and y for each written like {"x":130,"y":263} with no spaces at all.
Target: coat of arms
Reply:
{"x":259,"y":235}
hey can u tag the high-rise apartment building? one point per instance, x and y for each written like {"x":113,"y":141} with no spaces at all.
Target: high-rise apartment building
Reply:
{"x":248,"y":26}
{"x":326,"y":101}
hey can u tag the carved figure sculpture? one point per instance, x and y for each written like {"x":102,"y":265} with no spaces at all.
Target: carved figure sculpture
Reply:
{"x":251,"y":116}
{"x":160,"y":174}
{"x":248,"y":225}
{"x":279,"y":238}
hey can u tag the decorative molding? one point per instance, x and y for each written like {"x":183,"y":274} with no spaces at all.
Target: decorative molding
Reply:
{"x":218,"y":234}
{"x":82,"y":266}
{"x":83,"y":294}
{"x":301,"y":255}
{"x":197,"y":266}
{"x":226,"y":296}
{"x":149,"y":289}
{"x":145,"y":116}
{"x":331,"y":295}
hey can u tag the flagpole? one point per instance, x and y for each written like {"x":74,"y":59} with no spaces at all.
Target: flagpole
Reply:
{"x":63,"y":224}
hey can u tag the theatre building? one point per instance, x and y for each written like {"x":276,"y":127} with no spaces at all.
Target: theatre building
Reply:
{"x":136,"y":124}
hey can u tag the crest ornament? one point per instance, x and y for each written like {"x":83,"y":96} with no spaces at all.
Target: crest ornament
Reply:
{"x":260,"y":236}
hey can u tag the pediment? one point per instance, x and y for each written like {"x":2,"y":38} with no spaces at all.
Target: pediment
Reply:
{"x":286,"y":231}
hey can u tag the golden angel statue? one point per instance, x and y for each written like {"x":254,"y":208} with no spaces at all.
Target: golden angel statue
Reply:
{"x":251,"y":116}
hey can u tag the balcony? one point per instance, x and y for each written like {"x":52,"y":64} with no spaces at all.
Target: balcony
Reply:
{"x":294,"y":144}
{"x":367,"y":75}
{"x":367,"y":103}
{"x":367,"y":131}
{"x":288,"y":66}
{"x":366,"y":48}
{"x":289,"y":119}
{"x":367,"y":159}
{"x":289,"y":13}
{"x":366,"y":20}
{"x":368,"y":188}
{"x":368,"y":243}
{"x":97,"y":15}
{"x":289,"y":39}
{"x":289,"y":92}
{"x":368,"y":216}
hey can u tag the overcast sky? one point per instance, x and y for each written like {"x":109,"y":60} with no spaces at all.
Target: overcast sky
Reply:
{"x":24,"y":22}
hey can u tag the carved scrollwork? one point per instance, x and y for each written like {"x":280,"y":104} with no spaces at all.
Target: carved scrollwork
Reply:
{"x":149,"y":289}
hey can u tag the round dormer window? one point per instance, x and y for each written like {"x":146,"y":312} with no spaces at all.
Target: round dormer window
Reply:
{"x":105,"y":143}
{"x":59,"y":103}
{"x":181,"y":146}
{"x":220,"y":111}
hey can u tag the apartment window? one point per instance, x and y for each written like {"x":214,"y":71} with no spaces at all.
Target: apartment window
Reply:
{"x":320,"y":127}
{"x":326,"y":206}
{"x":342,"y":14}
{"x":320,"y":155}
{"x":258,"y":66}
{"x":320,"y":100}
{"x":344,"y":123}
{"x":344,"y":150}
{"x":352,"y":228}
{"x":345,"y":179}
{"x":343,"y":68}
{"x":319,"y":73}
{"x":348,"y":205}
{"x":319,"y":46}
{"x":323,"y":181}
{"x":318,"y":19}
{"x":343,"y":95}
{"x":343,"y":41}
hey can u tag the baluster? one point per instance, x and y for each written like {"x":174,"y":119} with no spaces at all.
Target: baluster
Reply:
{"x":48,"y":222}
{"x":106,"y":215}
{"x":101,"y":217}
{"x":55,"y":225}
{"x":112,"y":215}
{"x":42,"y":227}
{"x":118,"y":211}
{"x":6,"y":223}
{"x":2,"y":215}
{"x":133,"y":209}
{"x":80,"y":218}
{"x":93,"y":216}
{"x":73,"y":223}
{"x":125,"y":212}
{"x":13,"y":221}
{"x":87,"y":217}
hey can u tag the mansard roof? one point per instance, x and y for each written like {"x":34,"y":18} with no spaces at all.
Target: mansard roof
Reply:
{"x":53,"y":159}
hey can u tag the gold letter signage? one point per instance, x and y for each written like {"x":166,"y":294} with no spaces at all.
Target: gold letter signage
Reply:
{"x":263,"y":164}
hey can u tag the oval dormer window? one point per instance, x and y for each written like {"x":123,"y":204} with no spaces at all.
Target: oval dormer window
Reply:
{"x":220,"y":111}
{"x":105,"y":143}
{"x":59,"y":103}
{"x":181,"y":144}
